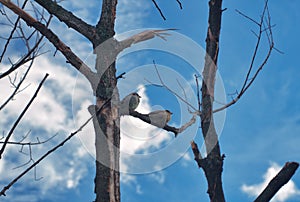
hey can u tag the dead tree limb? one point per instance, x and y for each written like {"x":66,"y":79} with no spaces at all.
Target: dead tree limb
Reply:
{"x":68,"y":18}
{"x":264,"y":27}
{"x":284,"y":175}
{"x":53,"y":38}
{"x":176,"y":131}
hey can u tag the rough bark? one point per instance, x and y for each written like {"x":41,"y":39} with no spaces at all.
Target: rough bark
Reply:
{"x":284,"y":175}
{"x":107,"y":179}
{"x":68,"y":18}
{"x":213,"y":163}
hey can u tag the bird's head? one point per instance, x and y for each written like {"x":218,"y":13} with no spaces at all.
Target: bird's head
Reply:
{"x":135,"y":94}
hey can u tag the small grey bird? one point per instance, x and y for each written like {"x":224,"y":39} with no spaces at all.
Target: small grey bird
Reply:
{"x":129,"y":103}
{"x":160,"y":118}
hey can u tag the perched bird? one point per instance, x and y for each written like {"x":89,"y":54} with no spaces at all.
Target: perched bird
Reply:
{"x":160,"y":118}
{"x":129,"y":103}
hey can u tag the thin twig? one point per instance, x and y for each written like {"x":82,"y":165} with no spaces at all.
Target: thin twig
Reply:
{"x":159,"y":10}
{"x":121,"y":76}
{"x":54,"y":39}
{"x":21,"y":115}
{"x":169,"y":89}
{"x":11,"y":33}
{"x":26,"y":58}
{"x":198,"y":93}
{"x":179,"y":3}
{"x":267,"y":29}
{"x":242,"y":14}
{"x":184,"y":93}
{"x":30,"y":143}
{"x":2,"y":192}
{"x":17,"y":87}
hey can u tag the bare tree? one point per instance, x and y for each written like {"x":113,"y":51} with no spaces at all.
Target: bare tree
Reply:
{"x":105,"y":113}
{"x":103,"y":82}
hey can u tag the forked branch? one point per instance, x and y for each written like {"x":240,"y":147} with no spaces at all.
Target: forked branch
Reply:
{"x":53,"y":38}
{"x":264,"y":27}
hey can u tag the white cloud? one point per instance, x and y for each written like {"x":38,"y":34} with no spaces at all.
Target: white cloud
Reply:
{"x":83,"y":9}
{"x":288,"y":191}
{"x":139,"y":189}
{"x":138,"y":134}
{"x":186,"y":159}
{"x":131,"y":14}
{"x":50,"y":109}
{"x":158,"y":177}
{"x":50,"y":113}
{"x":60,"y":171}
{"x":141,"y":137}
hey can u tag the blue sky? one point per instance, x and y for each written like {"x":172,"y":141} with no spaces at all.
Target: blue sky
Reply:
{"x":257,"y":135}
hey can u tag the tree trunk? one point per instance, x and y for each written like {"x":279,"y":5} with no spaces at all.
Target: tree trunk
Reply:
{"x":107,"y":179}
{"x":107,"y":131}
{"x":213,"y":164}
{"x":106,"y":124}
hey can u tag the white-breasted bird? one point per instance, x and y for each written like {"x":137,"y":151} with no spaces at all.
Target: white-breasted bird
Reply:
{"x":129,"y":103}
{"x":160,"y":118}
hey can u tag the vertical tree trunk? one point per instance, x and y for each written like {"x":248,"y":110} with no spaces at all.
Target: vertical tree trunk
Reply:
{"x":213,"y":163}
{"x":107,"y":179}
{"x":106,"y":124}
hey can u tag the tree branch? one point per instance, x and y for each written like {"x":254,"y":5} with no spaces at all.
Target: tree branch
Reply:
{"x":284,"y":175}
{"x":197,"y":155}
{"x":38,"y":142}
{"x":26,"y":58}
{"x":268,"y":31}
{"x":163,"y":85}
{"x":53,"y":38}
{"x":12,"y":33}
{"x":68,"y":18}
{"x":2,"y":192}
{"x":21,"y":116}
{"x":17,"y":87}
{"x":144,"y":36}
{"x":179,"y":3}
{"x":159,"y":10}
{"x":176,"y":131}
